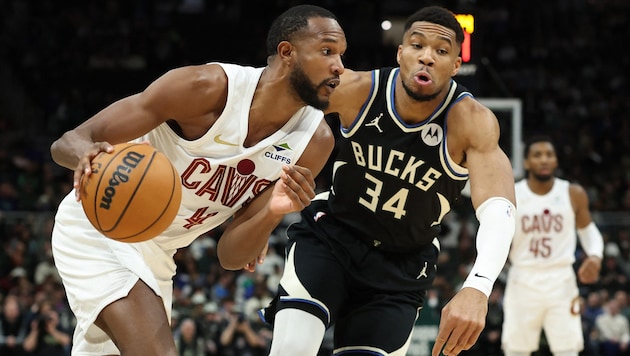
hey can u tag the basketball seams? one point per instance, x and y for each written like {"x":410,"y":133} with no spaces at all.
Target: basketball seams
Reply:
{"x":130,"y":199}
{"x":98,"y":185}
{"x":174,"y":175}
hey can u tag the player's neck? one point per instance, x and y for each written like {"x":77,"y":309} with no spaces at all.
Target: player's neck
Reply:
{"x":540,"y":187}
{"x":274,"y":97}
{"x":413,"y":111}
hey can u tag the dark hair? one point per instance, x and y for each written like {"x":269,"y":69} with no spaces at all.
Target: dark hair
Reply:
{"x":536,"y":139}
{"x":292,"y":21}
{"x":440,"y":16}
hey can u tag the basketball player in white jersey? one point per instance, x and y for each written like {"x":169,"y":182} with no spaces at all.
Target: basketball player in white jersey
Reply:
{"x":210,"y":121}
{"x":541,"y":291}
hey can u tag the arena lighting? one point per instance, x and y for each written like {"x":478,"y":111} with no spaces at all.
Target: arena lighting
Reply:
{"x":467,"y":22}
{"x":386,"y":25}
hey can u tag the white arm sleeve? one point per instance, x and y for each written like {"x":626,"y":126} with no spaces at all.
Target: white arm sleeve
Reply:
{"x":591,"y":240}
{"x":497,"y":223}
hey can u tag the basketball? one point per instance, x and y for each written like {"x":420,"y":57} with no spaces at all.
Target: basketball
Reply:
{"x":133,"y":193}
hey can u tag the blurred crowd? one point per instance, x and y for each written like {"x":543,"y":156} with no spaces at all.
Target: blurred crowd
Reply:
{"x":62,"y":61}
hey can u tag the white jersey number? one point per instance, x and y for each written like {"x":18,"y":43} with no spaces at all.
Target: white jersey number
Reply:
{"x":395,"y":204}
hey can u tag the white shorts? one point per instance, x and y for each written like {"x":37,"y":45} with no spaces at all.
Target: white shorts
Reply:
{"x":97,"y":271}
{"x":538,"y":300}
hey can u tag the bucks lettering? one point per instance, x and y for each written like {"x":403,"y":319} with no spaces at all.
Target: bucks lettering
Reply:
{"x":120,"y":176}
{"x":398,"y":164}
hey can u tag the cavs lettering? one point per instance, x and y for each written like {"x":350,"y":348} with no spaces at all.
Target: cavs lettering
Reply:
{"x":223,"y":184}
{"x":542,"y":223}
{"x":542,"y":226}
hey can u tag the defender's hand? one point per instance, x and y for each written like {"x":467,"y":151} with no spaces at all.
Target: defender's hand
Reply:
{"x":461,"y":323}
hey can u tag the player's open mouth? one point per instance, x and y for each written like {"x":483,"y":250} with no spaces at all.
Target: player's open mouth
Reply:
{"x":333,"y":83}
{"x":423,"y":78}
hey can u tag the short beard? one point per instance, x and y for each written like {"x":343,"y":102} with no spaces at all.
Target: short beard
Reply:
{"x":542,"y":178}
{"x":306,"y":90}
{"x":416,"y":96}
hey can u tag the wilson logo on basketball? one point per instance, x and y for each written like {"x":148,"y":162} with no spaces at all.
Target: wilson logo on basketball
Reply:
{"x":120,"y":176}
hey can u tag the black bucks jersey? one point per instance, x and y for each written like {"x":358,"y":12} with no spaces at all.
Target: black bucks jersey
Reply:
{"x":393,"y":182}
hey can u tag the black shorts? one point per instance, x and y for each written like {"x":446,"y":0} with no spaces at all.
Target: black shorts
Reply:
{"x":372,"y":297}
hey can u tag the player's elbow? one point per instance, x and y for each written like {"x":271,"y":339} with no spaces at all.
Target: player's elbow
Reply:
{"x":230,"y":261}
{"x":230,"y":266}
{"x":55,"y":152}
{"x":58,"y":151}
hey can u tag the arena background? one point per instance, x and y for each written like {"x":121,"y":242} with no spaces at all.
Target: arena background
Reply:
{"x":564,"y":61}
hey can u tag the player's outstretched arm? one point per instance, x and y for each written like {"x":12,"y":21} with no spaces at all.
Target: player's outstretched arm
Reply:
{"x":492,"y":193}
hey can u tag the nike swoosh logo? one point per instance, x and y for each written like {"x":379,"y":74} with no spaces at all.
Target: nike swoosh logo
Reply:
{"x":218,"y":140}
{"x":480,"y":276}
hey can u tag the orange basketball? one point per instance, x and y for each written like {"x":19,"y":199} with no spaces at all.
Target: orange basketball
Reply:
{"x":133,"y":193}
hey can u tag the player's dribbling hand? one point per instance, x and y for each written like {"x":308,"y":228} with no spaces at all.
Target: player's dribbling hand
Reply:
{"x":85,"y":164}
{"x":293,"y":191}
{"x":462,"y":321}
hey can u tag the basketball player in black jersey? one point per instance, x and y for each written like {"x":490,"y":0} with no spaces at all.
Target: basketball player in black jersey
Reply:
{"x":365,"y":252}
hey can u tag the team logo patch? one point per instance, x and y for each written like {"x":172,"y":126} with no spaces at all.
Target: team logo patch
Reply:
{"x":432,"y":134}
{"x":245,"y":167}
{"x":277,"y":156}
{"x":282,"y":147}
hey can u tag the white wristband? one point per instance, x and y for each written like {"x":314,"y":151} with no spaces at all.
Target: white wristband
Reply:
{"x":591,"y":240}
{"x":497,"y":223}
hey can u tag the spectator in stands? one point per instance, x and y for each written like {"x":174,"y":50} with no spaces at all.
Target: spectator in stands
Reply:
{"x":260,"y":299}
{"x":13,"y":327}
{"x":490,"y":338}
{"x":624,"y":306}
{"x":237,"y":335}
{"x":45,"y":337}
{"x":188,"y":340}
{"x":614,"y":331}
{"x":210,"y":326}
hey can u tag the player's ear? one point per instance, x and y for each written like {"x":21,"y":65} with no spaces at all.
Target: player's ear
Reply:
{"x":456,"y":66}
{"x":399,"y":54}
{"x":285,"y":50}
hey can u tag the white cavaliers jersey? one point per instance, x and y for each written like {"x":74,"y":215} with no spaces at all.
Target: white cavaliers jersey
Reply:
{"x":545,"y":227}
{"x":218,"y":174}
